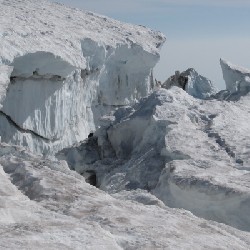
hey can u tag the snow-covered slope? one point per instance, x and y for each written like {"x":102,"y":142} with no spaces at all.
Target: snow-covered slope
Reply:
{"x":67,"y":68}
{"x":44,"y":205}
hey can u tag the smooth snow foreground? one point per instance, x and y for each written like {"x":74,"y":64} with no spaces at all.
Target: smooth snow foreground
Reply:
{"x":167,"y":170}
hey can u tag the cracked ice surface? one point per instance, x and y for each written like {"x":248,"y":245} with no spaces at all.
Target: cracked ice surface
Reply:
{"x":186,"y":151}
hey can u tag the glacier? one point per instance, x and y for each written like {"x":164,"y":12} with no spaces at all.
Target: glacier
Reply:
{"x":62,"y":82}
{"x":95,"y":154}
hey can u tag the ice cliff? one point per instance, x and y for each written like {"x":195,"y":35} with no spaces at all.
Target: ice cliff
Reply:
{"x":168,"y":168}
{"x":236,"y":78}
{"x":237,"y":81}
{"x":62,"y":68}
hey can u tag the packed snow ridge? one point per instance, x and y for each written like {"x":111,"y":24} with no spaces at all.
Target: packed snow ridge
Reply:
{"x":168,"y":163}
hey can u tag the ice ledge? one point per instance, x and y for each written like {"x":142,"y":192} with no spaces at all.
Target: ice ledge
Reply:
{"x":57,"y":29}
{"x":40,"y":63}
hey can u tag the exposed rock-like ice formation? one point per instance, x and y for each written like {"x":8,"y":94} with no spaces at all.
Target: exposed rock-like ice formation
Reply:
{"x":62,"y":82}
{"x":237,"y":79}
{"x":194,"y":84}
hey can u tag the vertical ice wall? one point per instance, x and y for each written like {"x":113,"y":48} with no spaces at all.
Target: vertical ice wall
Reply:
{"x":51,"y":104}
{"x":62,"y":68}
{"x":236,"y":78}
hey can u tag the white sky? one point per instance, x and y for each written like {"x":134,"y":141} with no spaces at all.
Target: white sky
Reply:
{"x":199,"y":32}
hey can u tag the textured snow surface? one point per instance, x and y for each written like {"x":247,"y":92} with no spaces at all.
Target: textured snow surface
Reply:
{"x":44,"y":205}
{"x":31,"y":26}
{"x":167,"y":170}
{"x":190,"y":153}
{"x":64,"y":68}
